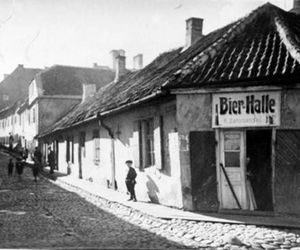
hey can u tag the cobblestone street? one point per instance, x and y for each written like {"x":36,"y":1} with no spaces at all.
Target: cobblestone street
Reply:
{"x":35,"y":215}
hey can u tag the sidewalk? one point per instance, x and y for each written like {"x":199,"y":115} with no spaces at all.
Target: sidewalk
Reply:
{"x":164,"y":212}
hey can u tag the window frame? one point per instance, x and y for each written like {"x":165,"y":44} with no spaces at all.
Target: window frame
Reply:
{"x":96,"y":139}
{"x":146,"y":142}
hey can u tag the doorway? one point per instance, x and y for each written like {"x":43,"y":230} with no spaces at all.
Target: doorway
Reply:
{"x":259,"y":167}
{"x":232,"y":171}
{"x":245,"y":171}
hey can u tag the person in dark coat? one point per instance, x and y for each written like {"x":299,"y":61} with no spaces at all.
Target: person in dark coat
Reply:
{"x":51,"y":160}
{"x":11,"y":141}
{"x":130,"y":180}
{"x":19,"y":167}
{"x":35,"y":169}
{"x":37,"y":155}
{"x":10,"y":167}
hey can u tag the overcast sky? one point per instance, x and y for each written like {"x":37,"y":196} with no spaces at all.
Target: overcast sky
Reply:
{"x":39,"y":33}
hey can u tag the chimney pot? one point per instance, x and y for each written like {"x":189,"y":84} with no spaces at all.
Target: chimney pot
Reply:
{"x":120,"y":67}
{"x":114,"y":54}
{"x":138,"y":62}
{"x":296,"y":7}
{"x":88,"y":90}
{"x":193,"y":30}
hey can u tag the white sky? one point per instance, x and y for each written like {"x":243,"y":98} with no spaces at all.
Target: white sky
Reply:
{"x":39,"y":33}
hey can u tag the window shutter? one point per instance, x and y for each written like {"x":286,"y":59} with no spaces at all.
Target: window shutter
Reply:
{"x":158,"y":142}
{"x":203,"y":170}
{"x":135,"y":145}
{"x":287,"y":171}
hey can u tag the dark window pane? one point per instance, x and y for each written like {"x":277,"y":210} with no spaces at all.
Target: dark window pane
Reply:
{"x":232,"y":159}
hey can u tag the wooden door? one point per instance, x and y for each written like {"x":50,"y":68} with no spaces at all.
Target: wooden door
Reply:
{"x":232,"y":158}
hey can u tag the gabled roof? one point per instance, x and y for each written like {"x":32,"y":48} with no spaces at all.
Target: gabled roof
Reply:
{"x":15,"y":85}
{"x":68,"y":80}
{"x":263,"y":45}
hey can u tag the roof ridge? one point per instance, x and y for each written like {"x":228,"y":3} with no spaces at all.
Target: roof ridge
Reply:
{"x":78,"y":67}
{"x":232,"y":31}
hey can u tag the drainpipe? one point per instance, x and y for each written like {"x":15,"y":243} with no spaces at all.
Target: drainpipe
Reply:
{"x":111,"y":134}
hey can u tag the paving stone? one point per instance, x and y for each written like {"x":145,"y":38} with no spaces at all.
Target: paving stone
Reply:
{"x":93,"y":216}
{"x":268,"y":247}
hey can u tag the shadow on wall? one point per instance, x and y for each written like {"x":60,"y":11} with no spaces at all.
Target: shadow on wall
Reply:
{"x":152,"y":190}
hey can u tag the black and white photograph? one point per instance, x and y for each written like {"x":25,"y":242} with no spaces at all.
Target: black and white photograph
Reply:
{"x":150,"y":124}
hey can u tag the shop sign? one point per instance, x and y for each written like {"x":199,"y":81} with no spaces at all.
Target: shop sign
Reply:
{"x":246,"y":109}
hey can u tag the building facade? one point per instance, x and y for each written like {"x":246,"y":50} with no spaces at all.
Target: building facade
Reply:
{"x":212,"y":126}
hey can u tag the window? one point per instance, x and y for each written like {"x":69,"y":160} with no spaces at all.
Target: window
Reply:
{"x":82,"y":143}
{"x":68,"y":149}
{"x":147,"y":142}
{"x":33,"y":115}
{"x":96,"y":138}
{"x":232,"y":149}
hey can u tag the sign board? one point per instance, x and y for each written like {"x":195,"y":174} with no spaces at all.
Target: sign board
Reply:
{"x":252,"y":109}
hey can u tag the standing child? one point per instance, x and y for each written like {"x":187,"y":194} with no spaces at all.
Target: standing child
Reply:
{"x":10,"y":167}
{"x":130,"y":180}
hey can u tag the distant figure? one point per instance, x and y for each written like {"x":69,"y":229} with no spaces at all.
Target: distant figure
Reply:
{"x":10,"y":167}
{"x":19,"y":167}
{"x":25,"y":154}
{"x":51,"y":160}
{"x":37,"y":155}
{"x":130,"y":180}
{"x":10,"y":141}
{"x":35,"y":169}
{"x":252,"y":201}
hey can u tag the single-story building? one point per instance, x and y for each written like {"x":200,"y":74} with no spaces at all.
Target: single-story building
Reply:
{"x":212,"y":126}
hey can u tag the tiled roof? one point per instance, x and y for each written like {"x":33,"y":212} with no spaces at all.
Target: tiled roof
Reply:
{"x":16,"y":85}
{"x":68,"y":80}
{"x":130,"y":88}
{"x":262,"y":45}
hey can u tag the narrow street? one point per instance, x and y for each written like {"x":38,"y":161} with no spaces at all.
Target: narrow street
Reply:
{"x":40,"y":214}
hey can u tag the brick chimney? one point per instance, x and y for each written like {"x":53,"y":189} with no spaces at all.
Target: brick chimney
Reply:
{"x":120,"y":66}
{"x":114,"y":54}
{"x":138,"y":62}
{"x":296,"y":7}
{"x":193,"y":30}
{"x":88,"y":90}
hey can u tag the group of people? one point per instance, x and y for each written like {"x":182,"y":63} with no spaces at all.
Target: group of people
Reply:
{"x":37,"y":157}
{"x":19,"y":166}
